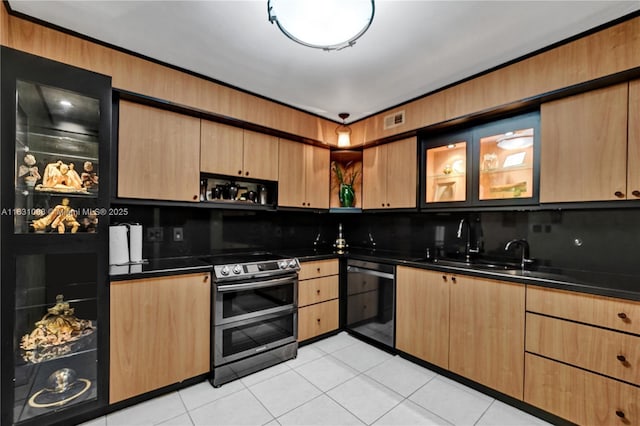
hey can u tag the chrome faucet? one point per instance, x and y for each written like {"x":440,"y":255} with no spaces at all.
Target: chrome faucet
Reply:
{"x":524,"y":244}
{"x":467,"y":247}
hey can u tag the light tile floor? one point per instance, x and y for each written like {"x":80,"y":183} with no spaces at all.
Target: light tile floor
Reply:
{"x":336,"y":381}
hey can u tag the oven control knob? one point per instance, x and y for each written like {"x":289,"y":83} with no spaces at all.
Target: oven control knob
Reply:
{"x":237,"y":269}
{"x":224,"y":270}
{"x":292,"y":264}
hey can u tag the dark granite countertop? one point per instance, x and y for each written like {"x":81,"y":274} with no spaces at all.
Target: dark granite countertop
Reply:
{"x":158,"y":268}
{"x":625,"y":286}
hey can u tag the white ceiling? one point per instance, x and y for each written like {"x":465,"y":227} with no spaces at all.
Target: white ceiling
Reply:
{"x":411,"y":48}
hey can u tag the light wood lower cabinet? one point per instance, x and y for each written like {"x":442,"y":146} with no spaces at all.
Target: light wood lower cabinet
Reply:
{"x":579,"y":396}
{"x":314,"y":320}
{"x":610,"y":353}
{"x":583,"y":357}
{"x":422,"y":314}
{"x":487,"y":333}
{"x":318,"y":293}
{"x":159,"y":333}
{"x":472,"y":326}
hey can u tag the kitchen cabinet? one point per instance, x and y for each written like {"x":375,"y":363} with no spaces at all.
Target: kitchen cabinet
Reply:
{"x":422,"y":314}
{"x":587,"y":151}
{"x":471,"y":326}
{"x":487,"y":332}
{"x":389,"y":175}
{"x":303,"y":175}
{"x":232,"y":151}
{"x":487,"y":165}
{"x":318,"y":293}
{"x":158,"y":154}
{"x":55,"y":138}
{"x":576,"y":368}
{"x":159,"y":333}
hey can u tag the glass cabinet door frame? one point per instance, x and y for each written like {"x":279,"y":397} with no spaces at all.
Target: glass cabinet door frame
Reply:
{"x":20,"y":66}
{"x":443,"y":140}
{"x":474,"y":134}
{"x":518,"y":122}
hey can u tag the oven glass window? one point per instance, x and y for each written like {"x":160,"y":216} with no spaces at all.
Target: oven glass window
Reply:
{"x":254,"y":300}
{"x":256,"y":334}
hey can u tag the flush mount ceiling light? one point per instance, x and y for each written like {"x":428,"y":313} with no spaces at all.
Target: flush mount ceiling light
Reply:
{"x":343,"y":131}
{"x":322,"y":24}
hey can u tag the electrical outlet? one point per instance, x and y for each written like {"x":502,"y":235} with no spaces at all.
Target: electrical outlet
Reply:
{"x":178,"y":235}
{"x":155,"y":234}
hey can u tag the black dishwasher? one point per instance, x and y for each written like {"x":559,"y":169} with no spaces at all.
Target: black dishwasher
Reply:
{"x":371,"y":300}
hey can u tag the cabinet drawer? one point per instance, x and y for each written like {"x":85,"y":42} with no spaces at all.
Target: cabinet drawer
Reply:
{"x":602,"y":351}
{"x":579,"y":396}
{"x":619,"y":314}
{"x":317,"y":319}
{"x":318,"y":268}
{"x":317,"y":290}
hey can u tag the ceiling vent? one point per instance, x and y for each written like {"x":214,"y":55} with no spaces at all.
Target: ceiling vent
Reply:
{"x":393,"y":120}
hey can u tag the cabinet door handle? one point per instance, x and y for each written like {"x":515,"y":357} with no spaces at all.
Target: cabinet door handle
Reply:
{"x":622,"y":359}
{"x":620,"y":414}
{"x":622,"y":315}
{"x":619,"y":194}
{"x":382,"y":204}
{"x":444,"y":278}
{"x":239,"y":172}
{"x":318,"y":291}
{"x":388,"y":205}
{"x":206,"y":278}
{"x":453,"y":279}
{"x":246,"y":174}
{"x":195,"y":197}
{"x":318,"y":320}
{"x":635,"y":193}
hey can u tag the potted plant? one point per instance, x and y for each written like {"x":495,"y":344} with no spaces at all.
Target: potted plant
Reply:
{"x":346,"y":179}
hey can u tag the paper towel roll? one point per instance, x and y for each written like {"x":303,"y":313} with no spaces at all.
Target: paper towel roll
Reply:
{"x":118,"y":247}
{"x":135,"y":243}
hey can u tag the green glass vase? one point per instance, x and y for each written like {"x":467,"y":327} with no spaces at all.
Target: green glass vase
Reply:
{"x":346,"y":195}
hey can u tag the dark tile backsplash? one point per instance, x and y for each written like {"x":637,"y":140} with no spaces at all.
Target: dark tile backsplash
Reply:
{"x":595,"y":240}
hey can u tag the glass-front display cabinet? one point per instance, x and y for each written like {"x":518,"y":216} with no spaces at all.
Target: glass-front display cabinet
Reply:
{"x":56,"y":127}
{"x":446,"y":178}
{"x":493,"y":164}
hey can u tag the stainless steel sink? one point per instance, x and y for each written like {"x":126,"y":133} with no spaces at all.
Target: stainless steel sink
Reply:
{"x":477,"y":264}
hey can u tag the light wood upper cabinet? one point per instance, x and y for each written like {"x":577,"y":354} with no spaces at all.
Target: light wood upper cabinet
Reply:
{"x":158,"y":154}
{"x":232,"y":151}
{"x":221,"y":148}
{"x":487,"y":333}
{"x":260,"y":156}
{"x":389,"y":175}
{"x":422,"y":314}
{"x":159,"y":333}
{"x":303,"y":175}
{"x":633,"y":143}
{"x":584,"y":146}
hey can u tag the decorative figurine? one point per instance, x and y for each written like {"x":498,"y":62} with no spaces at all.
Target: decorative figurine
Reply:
{"x":57,"y":328}
{"x":90,"y":223}
{"x":60,"y":177}
{"x":29,"y":171}
{"x":88,"y":176}
{"x":62,"y":216}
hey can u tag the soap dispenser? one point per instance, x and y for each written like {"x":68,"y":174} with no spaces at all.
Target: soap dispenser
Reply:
{"x":340,"y":243}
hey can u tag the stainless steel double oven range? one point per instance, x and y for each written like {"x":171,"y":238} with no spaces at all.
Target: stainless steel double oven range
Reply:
{"x":255,"y":313}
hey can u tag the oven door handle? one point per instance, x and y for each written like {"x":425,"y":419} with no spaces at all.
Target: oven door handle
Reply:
{"x":255,"y":284}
